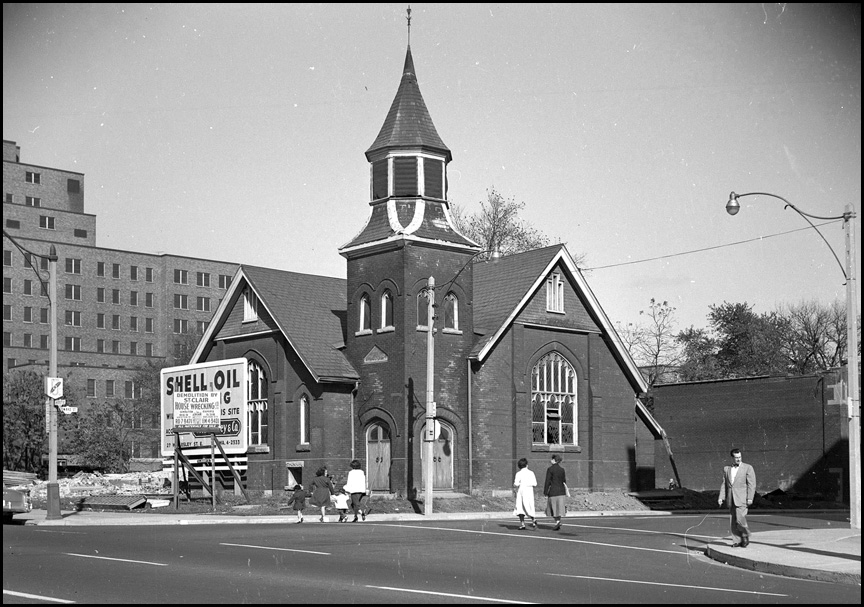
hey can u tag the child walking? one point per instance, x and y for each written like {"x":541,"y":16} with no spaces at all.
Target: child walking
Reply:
{"x":298,"y":499}
{"x":341,"y":503}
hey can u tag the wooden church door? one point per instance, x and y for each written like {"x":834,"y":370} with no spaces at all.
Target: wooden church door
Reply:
{"x":378,"y":455}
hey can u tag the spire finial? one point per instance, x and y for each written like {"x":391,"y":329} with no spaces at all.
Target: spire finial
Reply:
{"x":409,"y":25}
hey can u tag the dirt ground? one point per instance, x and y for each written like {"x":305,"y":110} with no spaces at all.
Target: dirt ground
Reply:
{"x":85,"y":491}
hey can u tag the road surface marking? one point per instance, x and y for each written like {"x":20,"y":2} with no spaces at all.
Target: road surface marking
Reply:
{"x":60,"y":532}
{"x":457,"y":596}
{"x":35,"y":597}
{"x":710,"y":537}
{"x":609,"y":579}
{"x":272,"y":548}
{"x":108,"y":558}
{"x":542,"y":537}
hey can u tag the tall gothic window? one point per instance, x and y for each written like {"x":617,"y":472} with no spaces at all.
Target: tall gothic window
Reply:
{"x":304,"y":420}
{"x":365,"y":320}
{"x":451,"y":311}
{"x":256,"y":422}
{"x":386,"y":310}
{"x":553,"y":401}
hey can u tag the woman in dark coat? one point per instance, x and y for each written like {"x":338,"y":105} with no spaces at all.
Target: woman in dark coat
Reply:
{"x":555,"y":489}
{"x":322,"y":488}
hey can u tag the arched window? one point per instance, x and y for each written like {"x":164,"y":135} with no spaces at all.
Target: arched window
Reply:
{"x":365,"y":314}
{"x":451,"y":311}
{"x":304,"y":420}
{"x":257,"y":392}
{"x":422,"y":309}
{"x":386,"y":310}
{"x":553,"y":401}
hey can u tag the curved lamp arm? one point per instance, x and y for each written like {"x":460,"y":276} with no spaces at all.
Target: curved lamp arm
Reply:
{"x":732,"y":207}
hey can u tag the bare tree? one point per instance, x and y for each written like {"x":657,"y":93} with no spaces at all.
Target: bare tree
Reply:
{"x":815,"y":335}
{"x":654,"y":345}
{"x":498,"y":226}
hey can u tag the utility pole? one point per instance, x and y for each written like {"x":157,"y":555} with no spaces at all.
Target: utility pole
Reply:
{"x":429,"y":434}
{"x":53,"y":495}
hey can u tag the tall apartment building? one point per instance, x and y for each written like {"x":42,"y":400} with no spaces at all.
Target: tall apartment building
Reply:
{"x":115,"y":309}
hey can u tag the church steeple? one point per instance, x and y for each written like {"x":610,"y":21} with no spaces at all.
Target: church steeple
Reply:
{"x":408,"y":176}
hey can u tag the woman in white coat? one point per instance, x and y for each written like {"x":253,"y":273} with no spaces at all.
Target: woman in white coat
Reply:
{"x":524,"y":484}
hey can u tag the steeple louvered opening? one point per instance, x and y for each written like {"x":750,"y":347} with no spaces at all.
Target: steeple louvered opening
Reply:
{"x":404,"y":175}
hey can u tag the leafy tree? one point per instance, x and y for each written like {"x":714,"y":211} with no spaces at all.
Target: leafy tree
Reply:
{"x":25,"y":440}
{"x":749,"y":343}
{"x":699,"y":355}
{"x":24,"y":436}
{"x":497,"y":225}
{"x":654,"y":345}
{"x":108,"y":431}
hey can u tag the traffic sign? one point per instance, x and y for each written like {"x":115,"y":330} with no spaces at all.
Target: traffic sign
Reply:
{"x":54,"y":387}
{"x":69,"y":410}
{"x":60,"y":402}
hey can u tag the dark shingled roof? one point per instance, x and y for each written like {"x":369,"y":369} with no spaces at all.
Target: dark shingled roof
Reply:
{"x":499,"y":287}
{"x":408,"y":123}
{"x":311,"y":311}
{"x":434,"y":226}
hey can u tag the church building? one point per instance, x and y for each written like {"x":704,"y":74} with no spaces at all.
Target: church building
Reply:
{"x":526,"y":363}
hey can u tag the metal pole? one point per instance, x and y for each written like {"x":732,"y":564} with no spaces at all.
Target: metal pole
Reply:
{"x":852,"y":397}
{"x":429,"y":434}
{"x":53,"y":495}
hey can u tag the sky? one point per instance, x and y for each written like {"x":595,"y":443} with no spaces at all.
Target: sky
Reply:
{"x":238,"y":132}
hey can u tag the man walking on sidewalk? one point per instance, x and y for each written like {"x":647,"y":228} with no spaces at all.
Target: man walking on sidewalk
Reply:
{"x":738,"y":490}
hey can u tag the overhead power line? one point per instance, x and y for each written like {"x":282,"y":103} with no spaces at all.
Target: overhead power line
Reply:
{"x":719,"y":246}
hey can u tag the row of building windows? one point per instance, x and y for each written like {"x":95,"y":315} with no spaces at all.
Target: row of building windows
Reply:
{"x":73,"y":265}
{"x":131,"y":390}
{"x":73,"y":186}
{"x":74,"y":344}
{"x":385,"y":312}
{"x":73,"y":293}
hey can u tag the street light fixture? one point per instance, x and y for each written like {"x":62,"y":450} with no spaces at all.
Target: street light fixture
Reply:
{"x":852,"y":397}
{"x":53,"y":489}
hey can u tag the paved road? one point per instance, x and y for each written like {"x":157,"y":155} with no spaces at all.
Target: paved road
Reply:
{"x":615,"y":559}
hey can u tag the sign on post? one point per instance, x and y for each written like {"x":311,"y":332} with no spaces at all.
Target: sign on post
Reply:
{"x":206,"y":395}
{"x":54,"y":387}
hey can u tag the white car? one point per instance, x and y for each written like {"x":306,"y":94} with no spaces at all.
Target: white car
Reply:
{"x":15,"y":502}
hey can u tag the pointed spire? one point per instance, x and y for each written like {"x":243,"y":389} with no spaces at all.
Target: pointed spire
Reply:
{"x":408,"y":123}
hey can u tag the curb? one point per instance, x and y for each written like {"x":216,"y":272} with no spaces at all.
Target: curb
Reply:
{"x":821,"y":575}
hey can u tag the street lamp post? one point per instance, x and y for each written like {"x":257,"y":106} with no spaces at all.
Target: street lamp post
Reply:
{"x":53,"y":493}
{"x":852,"y":397}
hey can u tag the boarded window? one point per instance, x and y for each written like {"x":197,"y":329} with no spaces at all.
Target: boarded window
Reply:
{"x":433,"y":177}
{"x":73,"y":186}
{"x":405,"y":176}
{"x":379,"y":179}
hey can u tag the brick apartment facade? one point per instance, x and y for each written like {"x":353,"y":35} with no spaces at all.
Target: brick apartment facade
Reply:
{"x":116,"y":310}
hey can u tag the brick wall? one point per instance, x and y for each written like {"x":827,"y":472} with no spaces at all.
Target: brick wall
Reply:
{"x":791,"y":429}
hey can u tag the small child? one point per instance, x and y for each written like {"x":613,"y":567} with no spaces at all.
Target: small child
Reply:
{"x":299,"y":501}
{"x":341,"y":501}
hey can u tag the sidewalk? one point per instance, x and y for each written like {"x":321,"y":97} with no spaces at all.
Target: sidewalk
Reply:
{"x":828,"y":555}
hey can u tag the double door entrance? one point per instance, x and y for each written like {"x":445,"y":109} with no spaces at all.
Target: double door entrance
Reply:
{"x":378,"y":458}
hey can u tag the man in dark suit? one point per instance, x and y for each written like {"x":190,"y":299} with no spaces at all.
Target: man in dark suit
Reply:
{"x":738,"y":490}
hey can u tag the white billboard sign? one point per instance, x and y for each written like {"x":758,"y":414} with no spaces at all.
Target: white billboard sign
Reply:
{"x":206,"y":395}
